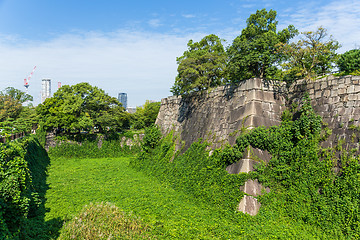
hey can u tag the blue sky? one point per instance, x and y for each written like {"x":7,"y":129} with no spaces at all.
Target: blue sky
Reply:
{"x":131,"y":46}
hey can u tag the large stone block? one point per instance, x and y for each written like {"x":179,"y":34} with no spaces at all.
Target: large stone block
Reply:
{"x":249,"y":205}
{"x":357,"y":88}
{"x":252,"y":187}
{"x":242,"y":166}
{"x":350,"y":89}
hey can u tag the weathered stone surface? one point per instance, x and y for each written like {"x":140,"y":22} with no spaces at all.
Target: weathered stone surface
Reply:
{"x":244,"y":165}
{"x":249,"y":205}
{"x":252,"y":187}
{"x":216,"y":116}
{"x":254,"y":103}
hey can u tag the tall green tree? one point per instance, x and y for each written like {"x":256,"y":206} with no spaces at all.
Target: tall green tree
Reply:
{"x":349,"y":61}
{"x":81,"y":107}
{"x":201,"y":66}
{"x":145,"y":116}
{"x":314,"y":54}
{"x":11,"y":101}
{"x":253,"y":53}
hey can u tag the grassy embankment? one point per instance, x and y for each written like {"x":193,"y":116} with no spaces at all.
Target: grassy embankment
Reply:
{"x":77,"y":182}
{"x":169,"y":214}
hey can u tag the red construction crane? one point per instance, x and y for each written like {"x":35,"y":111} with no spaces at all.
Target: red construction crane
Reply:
{"x":26,"y":80}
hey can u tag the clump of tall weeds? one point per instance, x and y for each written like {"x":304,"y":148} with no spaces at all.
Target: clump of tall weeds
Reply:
{"x":104,"y":221}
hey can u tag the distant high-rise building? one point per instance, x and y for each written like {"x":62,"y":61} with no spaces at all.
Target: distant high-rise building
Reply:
{"x":123,"y":99}
{"x":45,"y":89}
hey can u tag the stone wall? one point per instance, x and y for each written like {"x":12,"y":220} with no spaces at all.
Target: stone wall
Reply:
{"x":216,"y":116}
{"x":337,"y":101}
{"x":220,"y":115}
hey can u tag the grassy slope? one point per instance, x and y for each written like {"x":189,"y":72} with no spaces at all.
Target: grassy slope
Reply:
{"x":76,"y":182}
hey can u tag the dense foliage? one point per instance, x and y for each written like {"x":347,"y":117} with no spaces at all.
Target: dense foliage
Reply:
{"x":304,"y":186}
{"x":309,"y":57}
{"x":201,"y":67}
{"x":14,"y":117}
{"x":22,"y":188}
{"x":349,"y":62}
{"x":253,"y":53}
{"x":194,"y":172}
{"x":82,"y":107}
{"x":300,"y":174}
{"x":145,"y":115}
{"x":96,"y":148}
{"x":104,"y":221}
{"x":260,"y":51}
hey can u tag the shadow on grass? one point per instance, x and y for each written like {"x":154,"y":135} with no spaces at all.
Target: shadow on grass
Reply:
{"x":36,"y":226}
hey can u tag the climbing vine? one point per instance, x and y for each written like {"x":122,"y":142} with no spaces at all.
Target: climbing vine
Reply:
{"x":308,"y":184}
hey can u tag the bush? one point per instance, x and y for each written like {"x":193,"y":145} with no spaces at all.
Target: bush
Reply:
{"x":104,"y":221}
{"x":151,"y":138}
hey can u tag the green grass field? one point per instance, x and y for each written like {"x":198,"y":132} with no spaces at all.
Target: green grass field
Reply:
{"x":74,"y":183}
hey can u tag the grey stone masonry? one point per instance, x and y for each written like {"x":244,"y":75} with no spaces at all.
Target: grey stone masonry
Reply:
{"x":217,"y":115}
{"x":221,"y":115}
{"x":337,"y":101}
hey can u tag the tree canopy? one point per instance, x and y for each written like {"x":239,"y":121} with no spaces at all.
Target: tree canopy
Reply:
{"x":201,"y":66}
{"x":145,"y":116}
{"x":14,"y":117}
{"x":253,"y":53}
{"x":349,"y":61}
{"x":82,"y":107}
{"x":11,"y":101}
{"x":260,"y":51}
{"x":311,"y":56}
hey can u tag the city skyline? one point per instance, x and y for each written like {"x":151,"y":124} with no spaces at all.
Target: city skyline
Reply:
{"x":132,"y":46}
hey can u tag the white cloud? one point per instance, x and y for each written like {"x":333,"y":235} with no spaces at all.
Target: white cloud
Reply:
{"x":188,"y":16}
{"x":141,"y":64}
{"x":248,"y":5}
{"x":155,"y":23}
{"x":340,"y":18}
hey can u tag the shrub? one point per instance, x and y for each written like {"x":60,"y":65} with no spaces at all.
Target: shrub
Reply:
{"x":104,"y":221}
{"x":151,"y":138}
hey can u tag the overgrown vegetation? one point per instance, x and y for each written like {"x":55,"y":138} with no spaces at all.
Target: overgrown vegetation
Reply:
{"x":22,"y":188}
{"x":300,"y":174}
{"x":194,"y":172}
{"x":304,"y":186}
{"x":168,"y":213}
{"x":104,"y":221}
{"x":96,"y":148}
